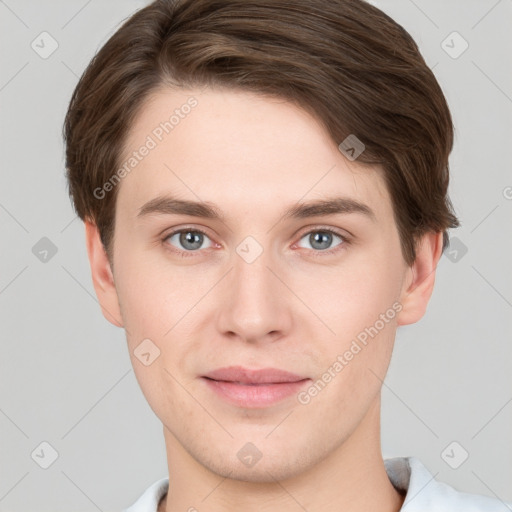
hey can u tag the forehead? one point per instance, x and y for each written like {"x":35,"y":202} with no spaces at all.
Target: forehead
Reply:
{"x":241,"y":151}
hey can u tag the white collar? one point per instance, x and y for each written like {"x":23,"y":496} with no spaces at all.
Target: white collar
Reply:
{"x":407,"y":474}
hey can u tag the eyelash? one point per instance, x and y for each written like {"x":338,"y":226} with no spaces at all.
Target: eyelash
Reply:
{"x":186,"y":254}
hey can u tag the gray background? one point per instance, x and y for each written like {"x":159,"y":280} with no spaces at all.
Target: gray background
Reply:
{"x":65,"y":373}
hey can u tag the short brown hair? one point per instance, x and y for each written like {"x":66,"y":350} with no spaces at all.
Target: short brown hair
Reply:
{"x":346,"y":62}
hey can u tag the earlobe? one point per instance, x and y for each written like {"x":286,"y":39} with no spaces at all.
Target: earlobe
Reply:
{"x":102,"y":276}
{"x":420,"y":280}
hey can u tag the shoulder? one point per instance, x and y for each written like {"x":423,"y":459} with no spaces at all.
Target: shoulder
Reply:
{"x":148,"y":501}
{"x":424,"y":494}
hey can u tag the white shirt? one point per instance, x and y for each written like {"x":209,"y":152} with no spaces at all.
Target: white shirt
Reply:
{"x":407,"y":474}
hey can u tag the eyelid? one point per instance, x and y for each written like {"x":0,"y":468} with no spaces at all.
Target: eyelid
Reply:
{"x":342,"y":233}
{"x":173,"y":231}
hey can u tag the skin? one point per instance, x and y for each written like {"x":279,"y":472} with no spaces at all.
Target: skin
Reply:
{"x":295,"y":307}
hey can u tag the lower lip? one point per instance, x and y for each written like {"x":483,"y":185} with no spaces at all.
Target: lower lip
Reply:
{"x":257,"y":395}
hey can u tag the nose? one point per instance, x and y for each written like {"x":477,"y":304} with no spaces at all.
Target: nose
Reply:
{"x":255,"y":305}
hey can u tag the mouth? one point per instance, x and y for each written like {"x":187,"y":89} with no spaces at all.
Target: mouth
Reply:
{"x":243,"y":387}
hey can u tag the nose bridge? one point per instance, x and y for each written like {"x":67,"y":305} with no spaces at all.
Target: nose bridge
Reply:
{"x":253,"y":281}
{"x":254,"y":304}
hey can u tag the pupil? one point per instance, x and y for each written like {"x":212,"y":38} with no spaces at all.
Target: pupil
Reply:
{"x":322,"y":240}
{"x":191,"y":240}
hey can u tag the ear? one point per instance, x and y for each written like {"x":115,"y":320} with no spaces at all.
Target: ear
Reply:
{"x":102,"y":276}
{"x":420,"y":278}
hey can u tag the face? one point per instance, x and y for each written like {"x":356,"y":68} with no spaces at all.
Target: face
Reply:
{"x":263,"y":279}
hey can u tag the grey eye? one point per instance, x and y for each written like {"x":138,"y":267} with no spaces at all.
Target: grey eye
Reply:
{"x":188,"y":240}
{"x":320,"y":240}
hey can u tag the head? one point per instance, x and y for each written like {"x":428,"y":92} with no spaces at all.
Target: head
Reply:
{"x":299,"y":251}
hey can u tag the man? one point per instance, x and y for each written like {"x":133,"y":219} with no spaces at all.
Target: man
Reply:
{"x":264,"y":191}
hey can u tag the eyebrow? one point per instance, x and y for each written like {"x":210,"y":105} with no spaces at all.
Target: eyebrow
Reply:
{"x":166,"y":205}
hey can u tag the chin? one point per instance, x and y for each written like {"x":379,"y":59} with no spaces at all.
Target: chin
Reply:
{"x":260,"y":474}
{"x":263,"y":468}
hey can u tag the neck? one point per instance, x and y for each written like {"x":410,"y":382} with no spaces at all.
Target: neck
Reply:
{"x":352,"y":478}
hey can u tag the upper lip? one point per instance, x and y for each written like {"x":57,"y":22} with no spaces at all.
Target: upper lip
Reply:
{"x":247,"y":376}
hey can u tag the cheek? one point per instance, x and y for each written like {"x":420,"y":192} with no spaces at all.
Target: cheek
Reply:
{"x":353,"y":366}
{"x":352,"y":298}
{"x":360,"y":307}
{"x":160,"y":308}
{"x":151,"y":297}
